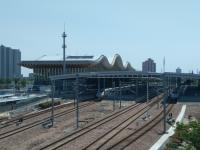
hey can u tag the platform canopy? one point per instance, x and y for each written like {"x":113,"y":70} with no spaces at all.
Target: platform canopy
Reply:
{"x":127,"y":74}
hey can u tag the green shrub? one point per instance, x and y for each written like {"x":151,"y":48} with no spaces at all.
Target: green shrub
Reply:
{"x":48,"y":104}
{"x":186,"y":133}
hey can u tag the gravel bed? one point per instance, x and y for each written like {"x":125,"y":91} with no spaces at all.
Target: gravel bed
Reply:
{"x":146,"y":141}
{"x":37,"y":136}
{"x":133,"y":126}
{"x":94,"y":134}
{"x":26,"y":139}
{"x":36,"y":118}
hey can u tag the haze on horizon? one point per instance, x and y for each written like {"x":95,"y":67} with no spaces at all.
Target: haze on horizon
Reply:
{"x":136,"y":30}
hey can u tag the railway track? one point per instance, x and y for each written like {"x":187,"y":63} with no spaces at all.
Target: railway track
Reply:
{"x":109,"y":135}
{"x":132,"y":137}
{"x":75,"y":135}
{"x":3,"y":119}
{"x":39,"y":122}
{"x":8,"y":122}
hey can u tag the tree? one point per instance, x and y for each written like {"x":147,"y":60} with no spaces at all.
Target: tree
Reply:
{"x":23,"y":83}
{"x":189,"y":133}
{"x":2,"y":81}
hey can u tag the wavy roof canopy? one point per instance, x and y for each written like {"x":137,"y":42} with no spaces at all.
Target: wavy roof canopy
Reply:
{"x":116,"y":64}
{"x":101,"y":62}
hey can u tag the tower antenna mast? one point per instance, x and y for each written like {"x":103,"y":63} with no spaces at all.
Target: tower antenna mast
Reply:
{"x":64,"y":46}
{"x":164,"y":65}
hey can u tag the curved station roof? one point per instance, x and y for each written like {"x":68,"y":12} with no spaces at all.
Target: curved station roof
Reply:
{"x":90,"y":61}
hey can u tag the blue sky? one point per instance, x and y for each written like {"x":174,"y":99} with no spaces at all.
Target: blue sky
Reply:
{"x":134,"y":29}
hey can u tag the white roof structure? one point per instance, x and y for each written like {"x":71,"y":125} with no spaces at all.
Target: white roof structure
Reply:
{"x":115,"y":64}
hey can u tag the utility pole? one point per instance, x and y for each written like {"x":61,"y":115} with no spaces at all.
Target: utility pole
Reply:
{"x":75,"y":97}
{"x":52,"y":101}
{"x":147,"y":114}
{"x":77,"y":101}
{"x":114,"y":95}
{"x":136,"y":86}
{"x":166,"y":86}
{"x":98,"y":92}
{"x":120,"y":102}
{"x":164,"y":110}
{"x":169,"y":84}
{"x":104,"y":87}
{"x":147,"y":90}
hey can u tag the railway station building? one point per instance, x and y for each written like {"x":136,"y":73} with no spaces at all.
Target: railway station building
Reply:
{"x":89,"y":88}
{"x":53,"y":66}
{"x":50,"y":66}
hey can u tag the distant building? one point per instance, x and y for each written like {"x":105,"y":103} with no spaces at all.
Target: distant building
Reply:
{"x":178,"y":70}
{"x":9,"y":63}
{"x":149,"y":66}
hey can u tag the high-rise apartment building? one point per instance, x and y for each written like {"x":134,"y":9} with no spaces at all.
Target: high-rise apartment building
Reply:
{"x":9,"y":63}
{"x":149,"y":66}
